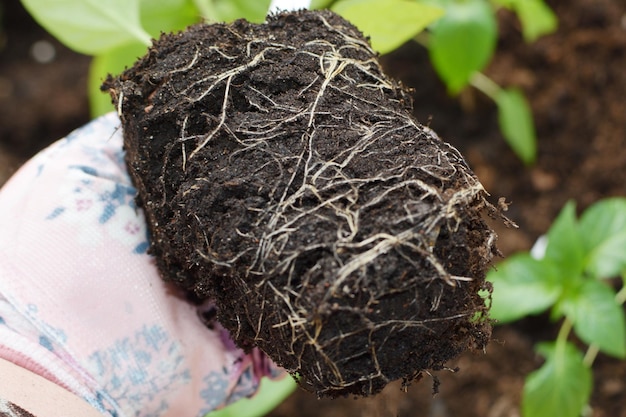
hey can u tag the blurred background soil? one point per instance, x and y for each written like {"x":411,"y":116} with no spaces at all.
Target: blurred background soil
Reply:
{"x":575,"y":81}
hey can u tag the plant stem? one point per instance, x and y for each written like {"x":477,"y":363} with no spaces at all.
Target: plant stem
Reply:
{"x":485,"y":84}
{"x":593,"y":350}
{"x":564,"y":331}
{"x":590,"y":355}
{"x":620,"y":297}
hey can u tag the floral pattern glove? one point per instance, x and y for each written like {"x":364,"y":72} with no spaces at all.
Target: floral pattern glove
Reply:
{"x":82,"y":303}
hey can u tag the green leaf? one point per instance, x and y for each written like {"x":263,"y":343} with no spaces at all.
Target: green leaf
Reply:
{"x":536,"y":17}
{"x":598,"y":319}
{"x":561,"y":387}
{"x":565,"y":247}
{"x":167,"y":15}
{"x":90,"y":26}
{"x":603,"y":227}
{"x":388,"y":23}
{"x":253,"y":11}
{"x":522,"y":286}
{"x":321,"y":4}
{"x":113,"y":62}
{"x":516,"y":124}
{"x":207,"y":10}
{"x":270,"y":394}
{"x":463,"y":42}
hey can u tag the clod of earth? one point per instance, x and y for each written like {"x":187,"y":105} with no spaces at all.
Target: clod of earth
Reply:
{"x":283,"y":175}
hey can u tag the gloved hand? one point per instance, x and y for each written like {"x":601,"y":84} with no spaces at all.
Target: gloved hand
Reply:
{"x":81,"y":302}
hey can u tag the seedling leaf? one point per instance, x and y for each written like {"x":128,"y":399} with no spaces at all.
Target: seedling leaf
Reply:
{"x":603,"y":226}
{"x":253,"y":11}
{"x":598,"y":319}
{"x":167,"y":16}
{"x":565,"y":247}
{"x":90,"y":26}
{"x":462,"y":42}
{"x":320,"y":4}
{"x":207,"y":9}
{"x":389,"y":23}
{"x":536,"y":17}
{"x":523,"y":285}
{"x":516,"y":124}
{"x":561,"y":387}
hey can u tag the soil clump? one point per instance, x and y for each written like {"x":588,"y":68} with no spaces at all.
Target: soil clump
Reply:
{"x":283,"y":175}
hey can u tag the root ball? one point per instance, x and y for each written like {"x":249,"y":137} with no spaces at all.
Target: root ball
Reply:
{"x":283,"y":175}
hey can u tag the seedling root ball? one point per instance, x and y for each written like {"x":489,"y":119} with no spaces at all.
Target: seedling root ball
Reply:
{"x":283,"y":176}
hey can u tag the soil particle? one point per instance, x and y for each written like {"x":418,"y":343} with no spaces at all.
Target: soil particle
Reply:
{"x":283,"y":175}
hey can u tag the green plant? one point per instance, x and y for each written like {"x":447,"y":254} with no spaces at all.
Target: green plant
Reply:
{"x":573,"y":280}
{"x":463,"y":42}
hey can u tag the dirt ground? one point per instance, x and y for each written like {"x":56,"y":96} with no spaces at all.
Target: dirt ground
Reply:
{"x":575,"y":80}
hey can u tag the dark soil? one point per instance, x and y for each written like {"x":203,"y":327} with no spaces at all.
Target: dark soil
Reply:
{"x":283,"y":176}
{"x":576,"y":85}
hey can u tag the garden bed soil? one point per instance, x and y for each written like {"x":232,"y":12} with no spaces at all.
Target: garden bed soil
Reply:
{"x":576,"y":84}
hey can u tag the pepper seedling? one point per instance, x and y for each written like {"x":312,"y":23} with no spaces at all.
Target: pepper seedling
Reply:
{"x":574,"y":279}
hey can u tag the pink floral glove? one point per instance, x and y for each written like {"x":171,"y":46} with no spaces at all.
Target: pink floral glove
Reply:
{"x":82,"y":303}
